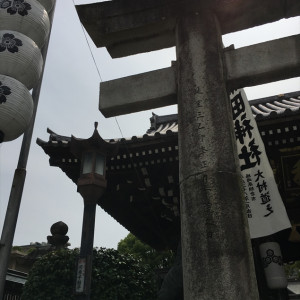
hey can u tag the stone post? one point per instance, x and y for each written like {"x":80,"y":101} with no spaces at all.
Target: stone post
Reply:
{"x":58,"y":238}
{"x":216,"y":251}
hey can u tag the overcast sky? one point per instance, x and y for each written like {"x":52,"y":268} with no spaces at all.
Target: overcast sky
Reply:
{"x":69,"y":105}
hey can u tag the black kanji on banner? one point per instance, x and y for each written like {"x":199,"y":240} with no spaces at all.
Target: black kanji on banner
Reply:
{"x":250,"y":154}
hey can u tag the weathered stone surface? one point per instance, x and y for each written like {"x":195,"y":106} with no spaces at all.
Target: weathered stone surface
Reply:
{"x":132,"y":26}
{"x":262,"y":63}
{"x":216,"y":258}
{"x":216,"y":253}
{"x":138,"y":92}
{"x":247,"y":66}
{"x":59,"y":228}
{"x":58,"y":237}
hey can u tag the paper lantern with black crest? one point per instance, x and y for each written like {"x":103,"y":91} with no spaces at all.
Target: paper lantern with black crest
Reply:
{"x":16,"y":108}
{"x":20,"y":58}
{"x":28,"y":17}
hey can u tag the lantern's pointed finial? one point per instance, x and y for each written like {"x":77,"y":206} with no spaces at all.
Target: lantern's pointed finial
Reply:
{"x":96,"y":125}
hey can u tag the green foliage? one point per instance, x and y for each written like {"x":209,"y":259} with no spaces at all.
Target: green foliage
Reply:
{"x":293,"y":270}
{"x":24,"y":250}
{"x":149,"y":256}
{"x":52,"y":277}
{"x":115,"y":277}
{"x":16,"y":248}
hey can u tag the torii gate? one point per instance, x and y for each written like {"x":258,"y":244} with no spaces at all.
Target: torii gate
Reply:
{"x":217,"y":259}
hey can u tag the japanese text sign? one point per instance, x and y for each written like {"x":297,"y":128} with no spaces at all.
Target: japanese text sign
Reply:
{"x":264,"y":207}
{"x":79,"y":286}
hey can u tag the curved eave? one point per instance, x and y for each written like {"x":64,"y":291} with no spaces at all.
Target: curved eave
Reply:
{"x":136,"y":196}
{"x":143,"y":184}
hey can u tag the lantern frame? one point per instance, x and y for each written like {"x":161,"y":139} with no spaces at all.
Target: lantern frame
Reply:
{"x":93,"y":147}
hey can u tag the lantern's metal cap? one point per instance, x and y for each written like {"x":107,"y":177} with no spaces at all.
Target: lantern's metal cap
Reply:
{"x":95,"y":142}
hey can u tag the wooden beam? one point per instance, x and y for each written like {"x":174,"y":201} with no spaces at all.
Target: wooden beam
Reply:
{"x":132,"y":26}
{"x":257,"y":64}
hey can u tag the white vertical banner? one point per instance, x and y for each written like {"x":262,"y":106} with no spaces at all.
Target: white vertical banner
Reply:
{"x":264,"y":207}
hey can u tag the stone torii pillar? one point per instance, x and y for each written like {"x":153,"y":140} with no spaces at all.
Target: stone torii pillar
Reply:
{"x":216,"y":256}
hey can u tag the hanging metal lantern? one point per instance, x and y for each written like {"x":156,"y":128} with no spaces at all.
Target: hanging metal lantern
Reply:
{"x":20,"y":58}
{"x":16,"y":107}
{"x":273,"y":266}
{"x":48,"y":4}
{"x":25,"y":16}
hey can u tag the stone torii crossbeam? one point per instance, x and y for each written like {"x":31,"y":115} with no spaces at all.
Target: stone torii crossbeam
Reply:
{"x":216,"y":252}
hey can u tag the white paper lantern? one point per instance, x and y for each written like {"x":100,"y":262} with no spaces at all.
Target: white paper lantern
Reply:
{"x":20,"y":58}
{"x":48,"y":4}
{"x":16,"y":107}
{"x":273,"y":266}
{"x":25,"y":16}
